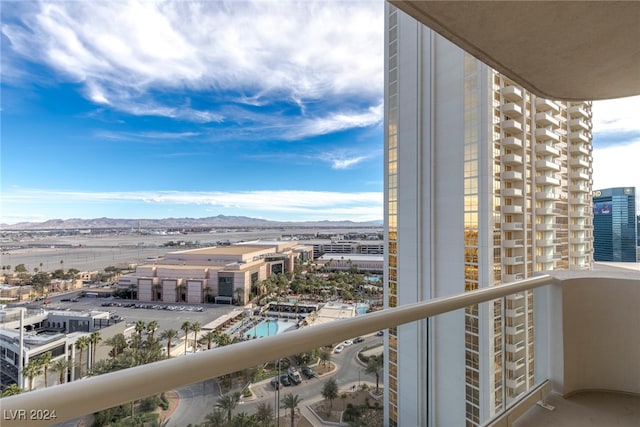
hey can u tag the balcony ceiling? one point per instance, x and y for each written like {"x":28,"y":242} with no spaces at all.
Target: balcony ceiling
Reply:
{"x":566,"y":50}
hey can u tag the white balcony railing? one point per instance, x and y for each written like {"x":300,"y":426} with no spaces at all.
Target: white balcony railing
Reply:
{"x":116,"y":388}
{"x":575,"y":346}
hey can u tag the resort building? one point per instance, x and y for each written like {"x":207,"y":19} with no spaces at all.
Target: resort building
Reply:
{"x":216,"y":274}
{"x":486,"y":184}
{"x":352,"y":262}
{"x":614,"y":224}
{"x":336,"y":246}
{"x":45,"y":331}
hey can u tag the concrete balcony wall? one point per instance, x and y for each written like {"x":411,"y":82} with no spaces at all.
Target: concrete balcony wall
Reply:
{"x":600,"y":331}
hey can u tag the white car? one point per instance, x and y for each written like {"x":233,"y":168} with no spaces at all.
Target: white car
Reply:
{"x":347,"y":342}
{"x":338,"y":349}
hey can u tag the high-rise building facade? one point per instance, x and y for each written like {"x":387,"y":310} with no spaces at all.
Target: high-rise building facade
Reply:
{"x":614,"y":224}
{"x":484,"y":184}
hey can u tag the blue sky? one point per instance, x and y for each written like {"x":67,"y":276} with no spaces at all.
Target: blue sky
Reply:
{"x":173,"y":109}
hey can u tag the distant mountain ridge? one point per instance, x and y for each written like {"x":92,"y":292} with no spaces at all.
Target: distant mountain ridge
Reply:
{"x":220,"y":221}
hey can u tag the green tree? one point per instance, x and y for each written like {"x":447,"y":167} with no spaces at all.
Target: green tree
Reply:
{"x":239,"y":299}
{"x":41,"y":281}
{"x":81,"y":345}
{"x":157,"y":292}
{"x":62,"y":366}
{"x":11,"y":390}
{"x":169,"y":335}
{"x":94,"y":339}
{"x":227,"y":403}
{"x":209,"y":338}
{"x":325,"y":356}
{"x":151,"y":329}
{"x":140,"y":328}
{"x":374,"y":366}
{"x":244,"y":420}
{"x":264,"y":414}
{"x":32,"y":370}
{"x":186,"y":327}
{"x":330,"y":391}
{"x":118,"y":343}
{"x":291,"y":402}
{"x":215,"y":419}
{"x":195,"y":328}
{"x":46,"y":360}
{"x":20,"y":268}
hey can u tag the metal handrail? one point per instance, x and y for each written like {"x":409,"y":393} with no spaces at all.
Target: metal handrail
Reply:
{"x":89,"y":395}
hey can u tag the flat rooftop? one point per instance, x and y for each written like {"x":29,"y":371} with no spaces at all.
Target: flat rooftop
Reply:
{"x":223,"y":250}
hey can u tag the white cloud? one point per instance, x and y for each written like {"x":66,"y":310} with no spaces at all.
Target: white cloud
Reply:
{"x":616,"y":152}
{"x":347,"y":163}
{"x":617,"y":115}
{"x":303,"y":52}
{"x":618,"y":166}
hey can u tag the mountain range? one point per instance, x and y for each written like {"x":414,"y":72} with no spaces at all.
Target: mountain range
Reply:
{"x":220,"y":221}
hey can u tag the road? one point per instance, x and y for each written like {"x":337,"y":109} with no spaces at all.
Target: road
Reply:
{"x":197,"y":400}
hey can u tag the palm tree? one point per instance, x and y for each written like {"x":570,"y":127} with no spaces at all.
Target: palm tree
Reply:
{"x":140,"y":328}
{"x":186,"y":327}
{"x":11,"y":390}
{"x":209,"y":338}
{"x":215,"y":418}
{"x":118,"y":342}
{"x":374,"y":366}
{"x":324,"y":356}
{"x":239,"y":292}
{"x":151,"y":329}
{"x":81,"y":344}
{"x":244,"y":420}
{"x":180,"y":292}
{"x":207,"y":291}
{"x":195,"y":328}
{"x":169,"y":335}
{"x":156,"y":294}
{"x":132,"y":288}
{"x":228,"y":402}
{"x":62,"y":366}
{"x":330,"y":391}
{"x":32,"y":370}
{"x":291,"y":402}
{"x":94,"y":339}
{"x":264,"y":414}
{"x":45,"y":361}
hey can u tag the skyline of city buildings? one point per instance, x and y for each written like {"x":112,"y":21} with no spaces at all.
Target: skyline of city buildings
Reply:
{"x":614,"y":221}
{"x":485,"y":183}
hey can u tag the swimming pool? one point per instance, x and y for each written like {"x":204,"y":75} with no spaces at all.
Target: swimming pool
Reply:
{"x":362,"y":308}
{"x":269,"y":327}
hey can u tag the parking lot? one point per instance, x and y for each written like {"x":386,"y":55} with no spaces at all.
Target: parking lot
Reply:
{"x":168,"y":316}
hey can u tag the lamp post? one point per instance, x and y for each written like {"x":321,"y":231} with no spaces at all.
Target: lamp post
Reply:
{"x":278,"y":397}
{"x":359,"y":369}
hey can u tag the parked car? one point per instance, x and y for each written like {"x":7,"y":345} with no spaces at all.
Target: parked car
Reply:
{"x":338,"y":349}
{"x":307,"y":372}
{"x":275,"y":383}
{"x":284,"y":380}
{"x":358,"y":340}
{"x":347,"y":342}
{"x":294,"y":375}
{"x":380,"y":333}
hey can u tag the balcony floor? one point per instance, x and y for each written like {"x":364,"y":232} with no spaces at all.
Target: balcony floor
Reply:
{"x":594,"y":409}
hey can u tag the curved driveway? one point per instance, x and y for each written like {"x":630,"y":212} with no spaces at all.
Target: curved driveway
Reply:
{"x":197,"y":400}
